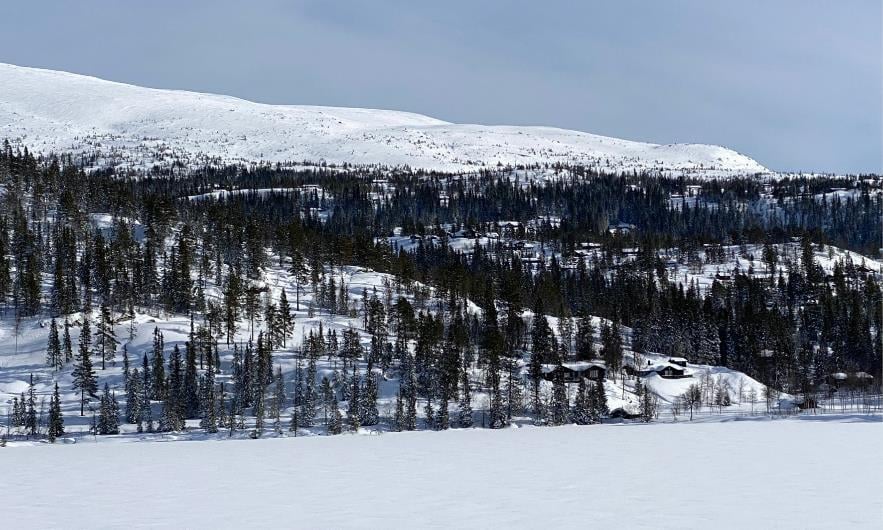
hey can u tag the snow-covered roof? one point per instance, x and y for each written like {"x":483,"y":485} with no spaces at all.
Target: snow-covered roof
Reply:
{"x":579,"y":366}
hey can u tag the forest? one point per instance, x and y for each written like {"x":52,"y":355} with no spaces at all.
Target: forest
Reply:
{"x":472,"y":265}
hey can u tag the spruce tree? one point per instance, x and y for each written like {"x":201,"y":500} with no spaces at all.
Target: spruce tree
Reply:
{"x":464,"y":416}
{"x":354,"y":414}
{"x":105,"y":338}
{"x":582,"y":405}
{"x":309,"y":398}
{"x":54,"y":355}
{"x":31,"y":412}
{"x":286,"y":320}
{"x":83,"y":375}
{"x":208,"y":407}
{"x":126,"y":378}
{"x":327,"y":397}
{"x":133,"y":399}
{"x":279,"y":401}
{"x":560,"y":407}
{"x":190,"y":383}
{"x":370,"y":416}
{"x":108,"y":422}
{"x":56,"y":419}
{"x":335,"y":424}
{"x":600,"y":401}
{"x":158,"y":373}
{"x":67,"y":345}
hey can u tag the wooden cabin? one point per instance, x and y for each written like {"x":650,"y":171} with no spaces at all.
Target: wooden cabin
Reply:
{"x":574,"y":372}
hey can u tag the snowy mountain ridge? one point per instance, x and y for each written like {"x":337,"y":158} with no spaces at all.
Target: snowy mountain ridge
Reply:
{"x":134,"y":127}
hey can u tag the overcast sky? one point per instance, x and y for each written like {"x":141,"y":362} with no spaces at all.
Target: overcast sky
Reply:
{"x":794,"y":84}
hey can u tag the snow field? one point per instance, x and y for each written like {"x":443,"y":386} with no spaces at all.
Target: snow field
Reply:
{"x":738,"y":474}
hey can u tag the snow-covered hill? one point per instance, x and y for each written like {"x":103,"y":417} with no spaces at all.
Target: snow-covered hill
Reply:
{"x":136,"y":127}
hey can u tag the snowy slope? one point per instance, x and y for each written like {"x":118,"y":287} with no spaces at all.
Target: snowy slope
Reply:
{"x":130,"y":126}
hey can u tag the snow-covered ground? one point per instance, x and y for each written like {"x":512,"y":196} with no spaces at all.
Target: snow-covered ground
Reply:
{"x":740,"y":474}
{"x":136,"y":127}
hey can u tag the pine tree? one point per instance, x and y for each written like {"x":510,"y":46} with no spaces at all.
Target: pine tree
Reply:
{"x":398,"y":422}
{"x":286,"y":320}
{"x":560,"y":406}
{"x":158,"y":372}
{"x":429,"y":413}
{"x":126,"y":378}
{"x":133,"y":399}
{"x":105,"y":338}
{"x":54,"y":355}
{"x":368,"y":408}
{"x":497,"y":410}
{"x":464,"y":416}
{"x":56,"y":419}
{"x":600,"y":401}
{"x":585,"y":336}
{"x":31,"y":412}
{"x":208,"y":407}
{"x":541,"y":353}
{"x":108,"y":422}
{"x":354,"y":414}
{"x":83,"y":375}
{"x":17,"y":415}
{"x":582,"y":406}
{"x":611,"y":348}
{"x":190,"y":384}
{"x":145,"y":420}
{"x":327,"y":397}
{"x":67,"y":346}
{"x":335,"y":424}
{"x":258,"y":409}
{"x":279,"y":402}
{"x":308,"y":403}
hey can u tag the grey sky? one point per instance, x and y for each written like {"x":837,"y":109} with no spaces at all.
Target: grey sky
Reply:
{"x":795,"y":84}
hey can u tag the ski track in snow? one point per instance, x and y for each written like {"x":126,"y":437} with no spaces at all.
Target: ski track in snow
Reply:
{"x":135,"y":127}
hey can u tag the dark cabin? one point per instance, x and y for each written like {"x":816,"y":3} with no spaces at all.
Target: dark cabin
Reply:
{"x":670,"y":372}
{"x":574,"y":372}
{"x":680,"y":361}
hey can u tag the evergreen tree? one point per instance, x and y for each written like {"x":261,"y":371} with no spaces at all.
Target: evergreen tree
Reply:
{"x":108,"y":422}
{"x":133,"y":397}
{"x":105,"y":338}
{"x":126,"y":377}
{"x":560,"y":406}
{"x":54,"y":355}
{"x":600,"y":409}
{"x":354,"y":414}
{"x":83,"y":375}
{"x":611,"y":347}
{"x":208,"y":407}
{"x":31,"y":412}
{"x":279,"y":401}
{"x":159,"y":389}
{"x":464,"y":417}
{"x":335,"y":424}
{"x":67,"y":345}
{"x":582,"y":405}
{"x":286,"y":320}
{"x":56,"y":419}
{"x":585,"y":336}
{"x":190,"y":383}
{"x":368,"y":407}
